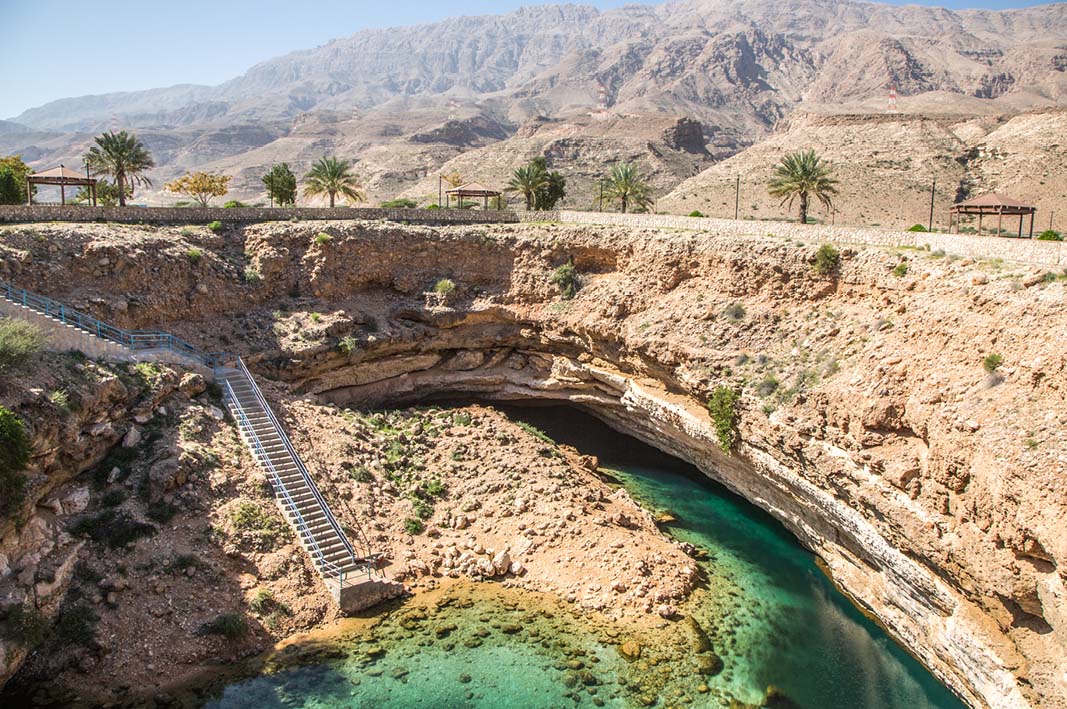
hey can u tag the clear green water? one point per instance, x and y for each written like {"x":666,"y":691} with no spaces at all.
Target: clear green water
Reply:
{"x":772,"y":615}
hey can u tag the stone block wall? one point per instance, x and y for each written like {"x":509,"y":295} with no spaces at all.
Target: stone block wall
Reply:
{"x":204,"y":215}
{"x":1048,"y":253}
{"x":64,"y":338}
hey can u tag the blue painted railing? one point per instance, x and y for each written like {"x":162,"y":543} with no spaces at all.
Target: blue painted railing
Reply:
{"x":139,"y":340}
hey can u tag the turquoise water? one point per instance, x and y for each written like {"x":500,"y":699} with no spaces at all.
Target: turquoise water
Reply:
{"x":772,"y":616}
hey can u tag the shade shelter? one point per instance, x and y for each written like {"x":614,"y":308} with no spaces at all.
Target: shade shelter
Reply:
{"x":62,"y":177}
{"x":471,"y":189}
{"x":992,"y":204}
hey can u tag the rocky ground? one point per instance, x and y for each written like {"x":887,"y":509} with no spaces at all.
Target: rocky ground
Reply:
{"x":871,"y":420}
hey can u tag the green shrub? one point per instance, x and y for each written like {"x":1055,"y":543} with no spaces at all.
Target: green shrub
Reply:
{"x":322,"y":238}
{"x":347,"y":345}
{"x":535,"y":432}
{"x":25,"y":625}
{"x":215,"y":226}
{"x":252,"y":276}
{"x":992,"y":362}
{"x":768,"y":386}
{"x":917,"y":227}
{"x":14,"y":456}
{"x":433,"y":206}
{"x":444,"y":287}
{"x":413,"y":526}
{"x":257,"y":525}
{"x":422,"y":509}
{"x":696,"y":213}
{"x":401,"y":203}
{"x":194,"y":255}
{"x":76,"y":624}
{"x":1050,"y":235}
{"x":229,"y":625}
{"x":161,"y":511}
{"x":360,"y":474}
{"x":722,"y":409}
{"x":149,"y":373}
{"x":436,"y":488}
{"x":827,"y":259}
{"x":901,"y":269}
{"x":60,"y":398}
{"x":566,"y":279}
{"x":183,"y":562}
{"x":111,"y":528}
{"x":186,"y":232}
{"x":735,"y":312}
{"x":234,"y":204}
{"x":20,"y":342}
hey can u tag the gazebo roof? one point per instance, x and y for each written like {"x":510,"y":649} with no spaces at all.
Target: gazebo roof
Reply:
{"x":473,"y":189}
{"x":991,"y":203}
{"x":60,"y":176}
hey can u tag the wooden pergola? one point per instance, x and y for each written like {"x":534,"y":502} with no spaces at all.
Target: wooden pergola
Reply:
{"x":62,"y":177}
{"x":471,"y":189}
{"x":992,"y":204}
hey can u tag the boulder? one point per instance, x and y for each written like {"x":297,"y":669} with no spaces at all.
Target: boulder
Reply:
{"x":132,"y":438}
{"x":502,"y":563}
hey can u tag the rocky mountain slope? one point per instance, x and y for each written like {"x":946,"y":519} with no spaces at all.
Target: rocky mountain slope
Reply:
{"x":886,"y":166}
{"x":391,"y":99}
{"x":745,"y":59}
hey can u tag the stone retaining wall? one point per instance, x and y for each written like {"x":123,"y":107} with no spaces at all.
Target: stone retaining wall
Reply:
{"x":1049,"y":253}
{"x":203,"y":215}
{"x":64,"y":338}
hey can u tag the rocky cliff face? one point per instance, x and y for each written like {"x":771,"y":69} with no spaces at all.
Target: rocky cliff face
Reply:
{"x":867,"y":424}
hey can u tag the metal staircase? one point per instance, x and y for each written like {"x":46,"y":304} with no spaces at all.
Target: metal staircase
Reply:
{"x":297,"y":495}
{"x":299,"y":498}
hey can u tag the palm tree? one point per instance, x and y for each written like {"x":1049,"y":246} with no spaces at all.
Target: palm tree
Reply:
{"x":626,"y":185}
{"x":529,"y":180}
{"x":800,"y":175}
{"x":332,"y":176}
{"x":123,"y":157}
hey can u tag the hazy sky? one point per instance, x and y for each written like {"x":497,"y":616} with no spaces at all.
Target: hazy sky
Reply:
{"x":57,"y":48}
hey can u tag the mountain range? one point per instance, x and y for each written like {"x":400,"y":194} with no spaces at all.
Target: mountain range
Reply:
{"x":583,"y":87}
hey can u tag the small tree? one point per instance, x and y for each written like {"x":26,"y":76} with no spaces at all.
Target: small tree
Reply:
{"x":722,"y":408}
{"x":15,"y":448}
{"x":802,"y":175}
{"x":201,"y":186}
{"x":554,"y":189}
{"x":528,"y":180}
{"x":332,"y":176}
{"x":626,"y":186}
{"x":20,"y":342}
{"x":281,"y":185}
{"x":827,"y":259}
{"x":124,"y":158}
{"x":13,"y":185}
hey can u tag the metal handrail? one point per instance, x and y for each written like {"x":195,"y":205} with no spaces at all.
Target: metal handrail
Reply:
{"x":296,"y":458}
{"x":260,"y":453}
{"x":134,"y":339}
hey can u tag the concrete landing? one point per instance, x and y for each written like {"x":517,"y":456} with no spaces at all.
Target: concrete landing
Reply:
{"x":357,"y":596}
